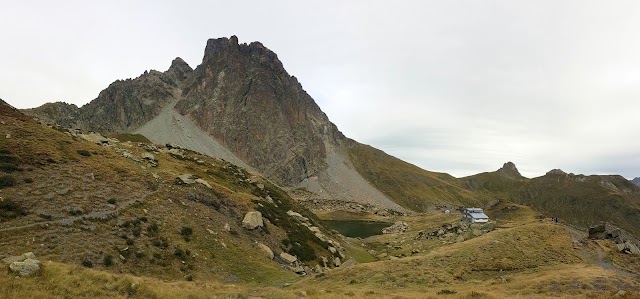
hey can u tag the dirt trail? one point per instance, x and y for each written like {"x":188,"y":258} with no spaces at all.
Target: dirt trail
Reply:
{"x":591,"y":252}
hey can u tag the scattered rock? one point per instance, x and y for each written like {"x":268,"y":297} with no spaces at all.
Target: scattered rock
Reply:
{"x":149,"y":157}
{"x":301,"y":294}
{"x":336,"y":262}
{"x":203,"y":182}
{"x":25,"y":268}
{"x":20,"y":258}
{"x":252,"y":220}
{"x":185,"y":179}
{"x":398,"y":227}
{"x":288,"y":258}
{"x":23,"y":265}
{"x":332,"y":249}
{"x":267,"y":250}
{"x":227,"y":227}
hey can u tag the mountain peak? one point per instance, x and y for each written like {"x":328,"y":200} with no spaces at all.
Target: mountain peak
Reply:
{"x":179,"y":63}
{"x":216,"y":45}
{"x":556,"y":172}
{"x":509,"y":169}
{"x":179,"y":70}
{"x":636,"y":181}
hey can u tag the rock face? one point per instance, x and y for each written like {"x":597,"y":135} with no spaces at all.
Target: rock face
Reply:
{"x":509,"y":170}
{"x":123,"y":106}
{"x":243,"y":97}
{"x":288,"y":258}
{"x":625,"y":242}
{"x":252,"y":220}
{"x":636,"y":181}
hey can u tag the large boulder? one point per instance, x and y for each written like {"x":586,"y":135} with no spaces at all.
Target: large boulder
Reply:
{"x":268,"y":252}
{"x":20,"y":258}
{"x":288,"y":258}
{"x":252,"y":220}
{"x":27,"y":267}
{"x":185,"y":179}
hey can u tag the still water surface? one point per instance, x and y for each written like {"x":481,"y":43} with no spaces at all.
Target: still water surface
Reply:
{"x":357,"y":228}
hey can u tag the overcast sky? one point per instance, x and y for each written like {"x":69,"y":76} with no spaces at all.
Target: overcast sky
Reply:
{"x":451,"y":86}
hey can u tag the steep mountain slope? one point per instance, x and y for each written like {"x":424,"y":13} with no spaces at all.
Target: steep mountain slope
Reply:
{"x":244,"y":98}
{"x":408,"y":185}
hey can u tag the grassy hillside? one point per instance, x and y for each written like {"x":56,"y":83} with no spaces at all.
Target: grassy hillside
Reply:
{"x":406,"y":184}
{"x":576,"y":199}
{"x":583,"y":201}
{"x":105,"y":207}
{"x":529,"y":260}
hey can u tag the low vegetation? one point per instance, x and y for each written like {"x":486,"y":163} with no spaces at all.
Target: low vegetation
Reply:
{"x":407,"y":184}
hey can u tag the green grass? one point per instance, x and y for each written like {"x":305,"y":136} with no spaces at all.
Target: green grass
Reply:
{"x":360,"y":254}
{"x":407,"y":184}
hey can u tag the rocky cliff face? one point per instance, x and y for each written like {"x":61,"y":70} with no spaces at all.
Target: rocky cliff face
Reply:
{"x":243,"y":97}
{"x":123,"y":106}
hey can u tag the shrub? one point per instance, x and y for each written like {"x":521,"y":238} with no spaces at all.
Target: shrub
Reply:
{"x":136,"y":231}
{"x":129,"y":241}
{"x":179,"y":253}
{"x":108,"y":260}
{"x":87,"y":263}
{"x":153,"y":229}
{"x":28,"y":180}
{"x":10,"y":209}
{"x":6,"y":158}
{"x":7,"y":181}
{"x":186,"y":233}
{"x":446,"y":292}
{"x":111,"y":201}
{"x":9,"y":167}
{"x":84,"y":153}
{"x":45,"y":216}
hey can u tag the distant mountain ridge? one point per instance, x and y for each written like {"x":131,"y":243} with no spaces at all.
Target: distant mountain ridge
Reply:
{"x":636,"y":181}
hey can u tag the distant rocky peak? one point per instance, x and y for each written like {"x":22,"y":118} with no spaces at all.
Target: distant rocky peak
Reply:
{"x":179,"y":71}
{"x":178,"y":64}
{"x":509,"y":169}
{"x":217,"y":45}
{"x":636,"y":181}
{"x":229,"y":49}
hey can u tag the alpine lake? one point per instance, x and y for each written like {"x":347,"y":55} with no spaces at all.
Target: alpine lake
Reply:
{"x":357,"y":228}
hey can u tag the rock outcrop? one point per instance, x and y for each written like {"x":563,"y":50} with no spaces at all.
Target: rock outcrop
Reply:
{"x":243,"y":97}
{"x":398,"y":227}
{"x":510,"y":170}
{"x":23,"y":265}
{"x":123,"y":106}
{"x":252,"y":220}
{"x":624,"y":241}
